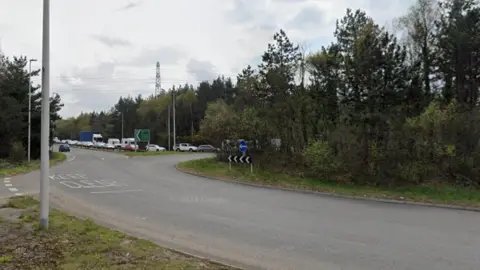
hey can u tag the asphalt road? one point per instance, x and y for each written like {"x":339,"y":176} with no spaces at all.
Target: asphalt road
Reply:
{"x":261,"y":228}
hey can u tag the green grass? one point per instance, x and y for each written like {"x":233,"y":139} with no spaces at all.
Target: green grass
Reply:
{"x":159,"y":153}
{"x":8,"y":169}
{"x":71,"y":243}
{"x":241,"y":172}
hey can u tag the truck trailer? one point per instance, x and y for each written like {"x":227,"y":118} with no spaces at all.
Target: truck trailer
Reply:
{"x":90,"y":136}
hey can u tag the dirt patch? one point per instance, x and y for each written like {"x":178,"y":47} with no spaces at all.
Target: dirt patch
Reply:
{"x":71,"y":243}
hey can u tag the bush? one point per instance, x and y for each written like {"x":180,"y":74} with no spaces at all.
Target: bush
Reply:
{"x":320,"y":160}
{"x":17,"y":153}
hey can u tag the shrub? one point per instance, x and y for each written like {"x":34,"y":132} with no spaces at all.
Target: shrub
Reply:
{"x":320,"y":159}
{"x":17,"y":152}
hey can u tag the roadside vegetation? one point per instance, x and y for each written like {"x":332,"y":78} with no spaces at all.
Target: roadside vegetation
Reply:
{"x":211,"y":167}
{"x":71,"y":243}
{"x":14,"y":95}
{"x":376,"y":109}
{"x":369,"y":110}
{"x":10,"y":168}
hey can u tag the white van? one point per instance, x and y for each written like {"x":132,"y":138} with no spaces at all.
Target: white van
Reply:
{"x":113,"y":141}
{"x":128,"y":141}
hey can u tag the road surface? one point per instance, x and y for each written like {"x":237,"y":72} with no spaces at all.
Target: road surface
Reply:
{"x":258,"y":228}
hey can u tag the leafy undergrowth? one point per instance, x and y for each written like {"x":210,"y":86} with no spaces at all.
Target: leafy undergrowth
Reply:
{"x":159,"y":153}
{"x":8,"y":169}
{"x":71,"y":243}
{"x":241,"y":172}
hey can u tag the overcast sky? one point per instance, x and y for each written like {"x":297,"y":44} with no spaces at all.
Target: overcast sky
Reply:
{"x":103,"y":49}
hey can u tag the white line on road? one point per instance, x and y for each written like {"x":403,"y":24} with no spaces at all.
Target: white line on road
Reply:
{"x":71,"y":159}
{"x":115,"y":191}
{"x":13,"y":189}
{"x":8,"y":185}
{"x":6,"y":178}
{"x":18,"y":194}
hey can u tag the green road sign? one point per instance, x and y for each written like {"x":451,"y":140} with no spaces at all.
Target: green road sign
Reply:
{"x":142,"y":135}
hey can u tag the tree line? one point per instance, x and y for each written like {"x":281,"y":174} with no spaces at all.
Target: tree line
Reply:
{"x":374,"y":107}
{"x":14,"y":100}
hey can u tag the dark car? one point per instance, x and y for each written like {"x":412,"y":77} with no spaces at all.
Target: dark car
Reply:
{"x":64,"y":148}
{"x":206,"y":148}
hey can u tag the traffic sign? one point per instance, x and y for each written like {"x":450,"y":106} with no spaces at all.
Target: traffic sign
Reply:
{"x":243,"y":146}
{"x":240,"y":159}
{"x":142,"y":135}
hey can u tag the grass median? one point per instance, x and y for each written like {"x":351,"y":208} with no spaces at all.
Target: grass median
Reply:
{"x":9,"y":169}
{"x":135,"y":154}
{"x":71,"y":243}
{"x":159,"y":153}
{"x":241,"y":173}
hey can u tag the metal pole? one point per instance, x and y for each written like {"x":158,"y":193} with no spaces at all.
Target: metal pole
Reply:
{"x":45,"y":156}
{"x":30,"y":107}
{"x":174,"y":129}
{"x":168,"y":128}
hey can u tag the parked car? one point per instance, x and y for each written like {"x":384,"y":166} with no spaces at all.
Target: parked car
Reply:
{"x":88,"y":144}
{"x":109,"y":146}
{"x":206,"y":148}
{"x":99,"y":144}
{"x":155,"y":148}
{"x":64,"y":148}
{"x":184,"y":147}
{"x":129,"y":147}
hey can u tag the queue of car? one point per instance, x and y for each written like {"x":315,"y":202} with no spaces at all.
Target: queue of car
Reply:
{"x":128,"y":144}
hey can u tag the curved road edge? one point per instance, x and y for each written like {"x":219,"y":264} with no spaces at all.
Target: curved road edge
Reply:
{"x":436,"y":205}
{"x":113,"y":220}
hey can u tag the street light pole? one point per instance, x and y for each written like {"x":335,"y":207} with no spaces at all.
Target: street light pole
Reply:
{"x":45,"y":128}
{"x":30,"y":106}
{"x":168,"y":128}
{"x":174,"y":122}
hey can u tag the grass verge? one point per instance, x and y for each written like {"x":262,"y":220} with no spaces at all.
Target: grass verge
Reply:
{"x":8,"y":169}
{"x":159,"y":153}
{"x":241,"y":172}
{"x":71,"y":243}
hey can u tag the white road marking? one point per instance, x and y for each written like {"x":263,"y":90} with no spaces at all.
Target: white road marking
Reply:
{"x":6,"y":181}
{"x":92,"y":184}
{"x":13,"y":189}
{"x":71,"y":159}
{"x":71,"y":184}
{"x":6,"y":178}
{"x":68,"y":176}
{"x":115,"y":191}
{"x":18,"y":194}
{"x":8,"y":185}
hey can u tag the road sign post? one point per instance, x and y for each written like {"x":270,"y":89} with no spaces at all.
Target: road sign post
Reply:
{"x":141,"y":135}
{"x":240,"y":159}
{"x":243,"y":147}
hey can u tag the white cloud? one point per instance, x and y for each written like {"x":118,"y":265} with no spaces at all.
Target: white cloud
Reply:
{"x":109,"y":48}
{"x":112,"y":41}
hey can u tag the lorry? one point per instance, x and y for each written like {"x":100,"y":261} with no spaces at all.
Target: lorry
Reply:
{"x":91,"y":136}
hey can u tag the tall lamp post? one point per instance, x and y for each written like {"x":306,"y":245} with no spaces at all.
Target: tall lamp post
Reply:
{"x":30,"y":106}
{"x":45,"y":128}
